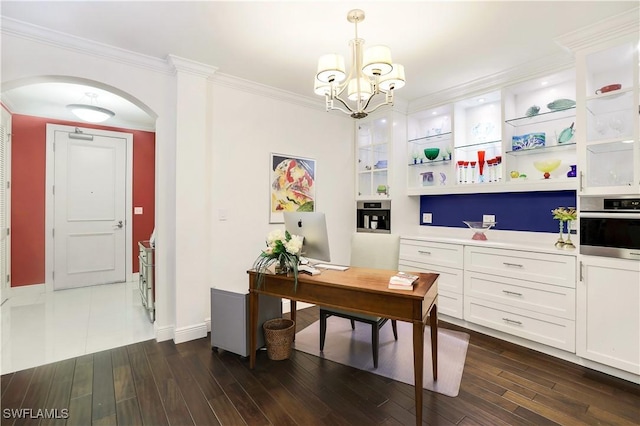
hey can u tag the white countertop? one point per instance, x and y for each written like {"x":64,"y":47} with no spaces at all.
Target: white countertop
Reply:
{"x":540,"y":242}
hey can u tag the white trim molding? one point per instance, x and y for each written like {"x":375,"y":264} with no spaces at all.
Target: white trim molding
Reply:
{"x":602,"y":31}
{"x":191,"y":332}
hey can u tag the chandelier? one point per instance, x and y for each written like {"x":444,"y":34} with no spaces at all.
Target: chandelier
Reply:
{"x":90,"y":111}
{"x":372,"y":75}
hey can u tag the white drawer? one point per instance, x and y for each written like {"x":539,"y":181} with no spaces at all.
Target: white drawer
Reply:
{"x":450,"y":304}
{"x":533,"y":296}
{"x":551,"y":331}
{"x":442,"y":254}
{"x":526,"y":265}
{"x":450,"y":279}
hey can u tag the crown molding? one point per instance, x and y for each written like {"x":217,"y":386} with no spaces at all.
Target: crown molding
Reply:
{"x":189,"y":66}
{"x":87,"y":47}
{"x":252,"y":87}
{"x":523,"y":72}
{"x":617,"y":26}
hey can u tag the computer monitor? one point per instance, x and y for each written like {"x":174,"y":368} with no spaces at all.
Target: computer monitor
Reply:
{"x":313,"y":227}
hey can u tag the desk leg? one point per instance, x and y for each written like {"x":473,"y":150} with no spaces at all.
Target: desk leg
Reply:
{"x":253,"y":325}
{"x":418,"y":360}
{"x":293,"y":313}
{"x":433,"y":323}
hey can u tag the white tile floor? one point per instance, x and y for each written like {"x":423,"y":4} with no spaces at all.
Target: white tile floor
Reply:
{"x":43,"y":327}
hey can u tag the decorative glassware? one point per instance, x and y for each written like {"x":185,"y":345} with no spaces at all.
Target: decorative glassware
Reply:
{"x":479,"y":229}
{"x":473,"y":171}
{"x":499,"y":167}
{"x":481,"y":166}
{"x":460,"y":170}
{"x":560,"y":242}
{"x":466,"y":166}
{"x":568,"y":244}
{"x":547,"y":166}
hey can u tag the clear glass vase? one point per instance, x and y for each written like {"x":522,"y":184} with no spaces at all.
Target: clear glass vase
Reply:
{"x":283,"y":266}
{"x":560,"y":243}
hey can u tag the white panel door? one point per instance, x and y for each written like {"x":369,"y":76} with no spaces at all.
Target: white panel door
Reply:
{"x":90,"y":206}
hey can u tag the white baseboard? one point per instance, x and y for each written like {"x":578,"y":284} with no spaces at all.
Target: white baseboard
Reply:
{"x":207,"y":322}
{"x":163,"y":333}
{"x":192,"y":332}
{"x":27,"y":290}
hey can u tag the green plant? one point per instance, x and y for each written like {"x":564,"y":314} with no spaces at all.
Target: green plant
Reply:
{"x":282,"y":254}
{"x":564,"y":214}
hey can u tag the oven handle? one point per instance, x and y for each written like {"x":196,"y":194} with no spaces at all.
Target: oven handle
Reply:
{"x":607,"y":215}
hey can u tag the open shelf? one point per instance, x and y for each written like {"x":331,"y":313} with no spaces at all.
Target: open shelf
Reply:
{"x":543,"y":117}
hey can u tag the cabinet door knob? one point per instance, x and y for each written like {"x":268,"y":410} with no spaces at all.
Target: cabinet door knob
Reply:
{"x":515,"y":265}
{"x":424,"y":252}
{"x":511,"y":293}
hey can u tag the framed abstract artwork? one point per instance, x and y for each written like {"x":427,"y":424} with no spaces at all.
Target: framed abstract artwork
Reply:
{"x":291,"y":185}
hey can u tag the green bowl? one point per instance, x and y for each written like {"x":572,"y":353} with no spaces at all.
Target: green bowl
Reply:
{"x":431,"y":153}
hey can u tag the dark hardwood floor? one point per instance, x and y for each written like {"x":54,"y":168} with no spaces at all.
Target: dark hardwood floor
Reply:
{"x":166,"y":384}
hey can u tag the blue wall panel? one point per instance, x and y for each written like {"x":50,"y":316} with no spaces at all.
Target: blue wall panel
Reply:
{"x":514,"y":211}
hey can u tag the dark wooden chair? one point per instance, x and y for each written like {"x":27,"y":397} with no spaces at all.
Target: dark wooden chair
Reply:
{"x":379,"y":251}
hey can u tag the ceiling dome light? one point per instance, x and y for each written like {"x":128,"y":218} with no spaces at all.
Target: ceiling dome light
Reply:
{"x":90,"y":112}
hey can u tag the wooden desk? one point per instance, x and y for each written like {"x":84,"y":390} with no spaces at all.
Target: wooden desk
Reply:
{"x":361,"y":290}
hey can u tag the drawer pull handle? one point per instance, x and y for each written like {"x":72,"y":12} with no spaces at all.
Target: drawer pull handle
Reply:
{"x":424,"y":252}
{"x":510,"y":321}
{"x":512,"y":293}
{"x":515,"y":265}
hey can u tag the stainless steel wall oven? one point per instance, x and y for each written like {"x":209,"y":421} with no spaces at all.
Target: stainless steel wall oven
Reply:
{"x":610,"y":226}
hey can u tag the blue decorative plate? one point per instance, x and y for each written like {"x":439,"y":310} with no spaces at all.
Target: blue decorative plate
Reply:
{"x":528,"y":141}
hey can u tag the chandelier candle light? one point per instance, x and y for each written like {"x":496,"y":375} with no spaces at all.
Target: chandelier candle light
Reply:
{"x":372,"y":73}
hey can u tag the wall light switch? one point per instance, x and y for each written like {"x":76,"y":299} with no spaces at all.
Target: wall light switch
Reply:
{"x":427,"y":217}
{"x":488,"y":218}
{"x":137,"y":210}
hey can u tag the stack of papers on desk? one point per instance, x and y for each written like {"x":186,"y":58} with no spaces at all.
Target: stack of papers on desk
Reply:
{"x":402,"y":281}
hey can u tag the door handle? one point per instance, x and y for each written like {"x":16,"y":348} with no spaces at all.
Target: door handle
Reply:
{"x":119,"y":225}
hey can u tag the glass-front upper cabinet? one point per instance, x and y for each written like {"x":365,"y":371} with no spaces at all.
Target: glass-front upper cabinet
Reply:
{"x":372,"y":156}
{"x":539,"y":132}
{"x":430,"y":148}
{"x":608,"y":81}
{"x":478,"y":139}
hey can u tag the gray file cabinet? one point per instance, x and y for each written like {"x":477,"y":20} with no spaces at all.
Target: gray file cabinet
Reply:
{"x":230,"y":320}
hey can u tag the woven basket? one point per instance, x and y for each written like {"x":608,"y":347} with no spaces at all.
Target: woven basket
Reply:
{"x":278,"y":335}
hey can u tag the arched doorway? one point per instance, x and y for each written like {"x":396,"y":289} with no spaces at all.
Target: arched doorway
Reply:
{"x":34,"y":103}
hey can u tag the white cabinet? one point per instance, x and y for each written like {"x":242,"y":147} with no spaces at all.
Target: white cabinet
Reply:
{"x":373,"y":142}
{"x":468,"y":146}
{"x":478,"y":139}
{"x":608,"y":312}
{"x":527,"y":294}
{"x":441,"y":258}
{"x":430,"y":148}
{"x":608,"y":100}
{"x":540,"y":130}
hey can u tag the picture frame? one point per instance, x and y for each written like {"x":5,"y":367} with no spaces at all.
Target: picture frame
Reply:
{"x":292,"y":185}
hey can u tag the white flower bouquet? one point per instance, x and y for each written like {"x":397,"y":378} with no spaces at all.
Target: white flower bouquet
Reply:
{"x":282,"y":254}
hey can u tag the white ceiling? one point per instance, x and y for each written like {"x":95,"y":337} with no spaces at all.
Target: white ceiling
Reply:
{"x":442,"y":44}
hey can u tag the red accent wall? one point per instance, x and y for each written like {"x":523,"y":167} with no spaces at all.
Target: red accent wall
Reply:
{"x":28,"y":163}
